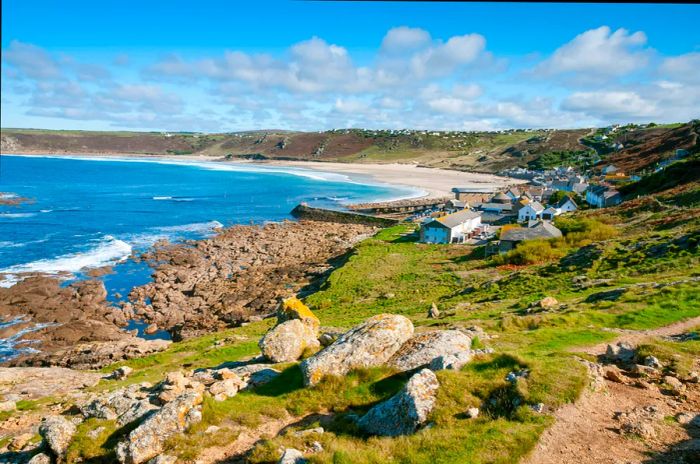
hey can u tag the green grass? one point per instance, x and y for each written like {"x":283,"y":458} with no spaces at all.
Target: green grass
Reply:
{"x":392,"y":273}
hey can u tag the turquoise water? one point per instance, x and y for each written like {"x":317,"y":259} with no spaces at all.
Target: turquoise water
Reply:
{"x":93,"y":212}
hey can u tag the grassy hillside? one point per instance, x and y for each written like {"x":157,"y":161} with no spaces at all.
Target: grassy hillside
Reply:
{"x":480,"y":151}
{"x":629,"y":267}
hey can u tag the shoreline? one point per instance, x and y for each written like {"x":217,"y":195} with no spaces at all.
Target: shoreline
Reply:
{"x":426,"y":182}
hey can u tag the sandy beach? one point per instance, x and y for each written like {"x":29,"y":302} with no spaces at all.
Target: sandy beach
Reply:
{"x":435,"y":183}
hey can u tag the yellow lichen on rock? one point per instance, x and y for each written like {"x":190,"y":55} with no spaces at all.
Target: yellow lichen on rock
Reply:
{"x":294,"y":308}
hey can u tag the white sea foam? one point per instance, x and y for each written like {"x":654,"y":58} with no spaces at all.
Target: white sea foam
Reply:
{"x":16,"y":215}
{"x":176,"y":199}
{"x":9,"y":346}
{"x":109,"y":250}
{"x":195,"y":227}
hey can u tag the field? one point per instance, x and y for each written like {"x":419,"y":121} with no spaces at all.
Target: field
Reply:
{"x":633,"y":267}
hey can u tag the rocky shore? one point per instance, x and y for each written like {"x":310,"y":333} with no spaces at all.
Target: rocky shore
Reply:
{"x":237,"y":275}
{"x":198,"y":287}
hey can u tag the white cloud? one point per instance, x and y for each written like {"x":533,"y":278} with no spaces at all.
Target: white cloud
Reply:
{"x":600,"y":52}
{"x":610,"y":104}
{"x":31,"y":60}
{"x":402,"y":39}
{"x":684,"y":67}
{"x":443,"y":59}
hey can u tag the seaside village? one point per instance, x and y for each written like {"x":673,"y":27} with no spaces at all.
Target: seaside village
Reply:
{"x":500,"y":219}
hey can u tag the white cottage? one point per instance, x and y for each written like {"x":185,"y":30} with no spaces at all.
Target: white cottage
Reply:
{"x":454,"y":227}
{"x":530,"y":211}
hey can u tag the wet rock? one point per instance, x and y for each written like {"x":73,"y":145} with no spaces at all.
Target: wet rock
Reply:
{"x":146,"y":441}
{"x":292,"y":456}
{"x":288,"y":341}
{"x":57,"y":432}
{"x":369,"y":344}
{"x":404,"y":412}
{"x":422,"y":348}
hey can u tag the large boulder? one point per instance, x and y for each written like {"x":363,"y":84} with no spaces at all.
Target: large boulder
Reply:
{"x":404,"y":412}
{"x":422,"y":348}
{"x":289,"y":340}
{"x":146,"y":441}
{"x":294,"y":308}
{"x":369,"y":344}
{"x":58,"y":432}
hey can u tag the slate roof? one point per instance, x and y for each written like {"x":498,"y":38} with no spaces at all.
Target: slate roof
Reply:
{"x":455,"y":219}
{"x":543,"y":230}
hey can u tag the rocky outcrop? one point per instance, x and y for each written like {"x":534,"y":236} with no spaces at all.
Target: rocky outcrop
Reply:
{"x":126,"y":405}
{"x":404,"y":412}
{"x":57,"y":432}
{"x":369,"y":344}
{"x":240,"y":273}
{"x":454,"y":361}
{"x":422,"y":348}
{"x":94,"y":355}
{"x":146,"y":441}
{"x":296,"y":332}
{"x":30,"y":383}
{"x":292,"y":456}
{"x":287,"y":341}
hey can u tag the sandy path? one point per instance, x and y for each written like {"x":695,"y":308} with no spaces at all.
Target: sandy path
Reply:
{"x":637,"y":337}
{"x":586,"y":432}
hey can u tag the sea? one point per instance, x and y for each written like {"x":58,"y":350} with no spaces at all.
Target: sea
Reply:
{"x":88,"y":212}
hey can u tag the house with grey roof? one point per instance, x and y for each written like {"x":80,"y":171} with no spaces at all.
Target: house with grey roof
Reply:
{"x":540,"y":230}
{"x":532,"y":210}
{"x":452,"y":228}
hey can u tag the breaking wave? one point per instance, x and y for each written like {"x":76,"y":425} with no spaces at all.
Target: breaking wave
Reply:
{"x":109,"y":250}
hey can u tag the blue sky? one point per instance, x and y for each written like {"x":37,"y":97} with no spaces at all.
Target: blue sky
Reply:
{"x":223,"y":66}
